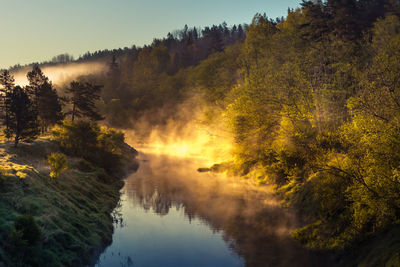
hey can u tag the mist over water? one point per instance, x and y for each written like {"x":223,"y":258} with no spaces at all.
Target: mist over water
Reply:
{"x":172,"y":215}
{"x":155,"y":229}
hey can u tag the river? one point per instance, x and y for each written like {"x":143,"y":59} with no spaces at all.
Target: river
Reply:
{"x":172,"y":215}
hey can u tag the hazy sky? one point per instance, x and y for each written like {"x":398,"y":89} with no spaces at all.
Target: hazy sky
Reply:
{"x":37,"y":30}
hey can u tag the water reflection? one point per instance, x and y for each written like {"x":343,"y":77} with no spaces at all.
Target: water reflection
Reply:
{"x":171,"y":215}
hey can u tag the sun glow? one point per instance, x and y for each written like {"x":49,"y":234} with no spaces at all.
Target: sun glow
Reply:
{"x":191,"y":142}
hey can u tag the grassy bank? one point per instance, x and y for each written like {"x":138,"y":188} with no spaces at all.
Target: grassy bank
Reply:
{"x":72,"y":212}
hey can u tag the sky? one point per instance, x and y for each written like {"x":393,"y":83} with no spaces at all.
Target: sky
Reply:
{"x":37,"y":30}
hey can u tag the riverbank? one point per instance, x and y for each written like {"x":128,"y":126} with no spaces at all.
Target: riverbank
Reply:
{"x":377,"y":249}
{"x":72,"y":212}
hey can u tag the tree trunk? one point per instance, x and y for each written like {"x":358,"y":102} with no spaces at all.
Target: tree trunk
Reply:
{"x":73,"y":113}
{"x":16,"y":140}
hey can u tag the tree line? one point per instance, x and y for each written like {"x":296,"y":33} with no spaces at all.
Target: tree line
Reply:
{"x":27,"y":111}
{"x":312,"y":101}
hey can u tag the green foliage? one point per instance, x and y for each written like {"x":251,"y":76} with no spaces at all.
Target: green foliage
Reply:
{"x":319,"y":118}
{"x":44,"y":98}
{"x":26,"y":232}
{"x":312,"y":101}
{"x":24,"y":241}
{"x":7,"y":82}
{"x":72,"y":215}
{"x":49,"y":106}
{"x":83,"y":97}
{"x":217,"y":74}
{"x":58,"y":163}
{"x":77,"y":138}
{"x":22,"y":116}
{"x":101,"y":146}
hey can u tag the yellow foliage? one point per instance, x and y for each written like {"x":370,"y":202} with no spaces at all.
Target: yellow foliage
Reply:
{"x":58,"y":163}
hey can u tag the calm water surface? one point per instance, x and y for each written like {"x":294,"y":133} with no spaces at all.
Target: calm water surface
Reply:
{"x":171,"y":215}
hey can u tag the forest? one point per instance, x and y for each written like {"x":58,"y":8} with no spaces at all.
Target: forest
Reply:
{"x":63,"y":180}
{"x":312,"y":101}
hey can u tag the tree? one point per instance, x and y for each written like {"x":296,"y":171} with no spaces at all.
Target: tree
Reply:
{"x":315,"y":26}
{"x":58,"y":163}
{"x":23,"y":123}
{"x":345,"y":19}
{"x":7,"y":81}
{"x":36,"y":79}
{"x":44,"y":97}
{"x":101,"y":146}
{"x":49,"y":106}
{"x":62,"y":58}
{"x":84,"y":95}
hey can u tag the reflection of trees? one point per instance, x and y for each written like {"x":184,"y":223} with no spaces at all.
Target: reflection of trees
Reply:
{"x":159,"y":203}
{"x":254,"y":225}
{"x":149,"y":197}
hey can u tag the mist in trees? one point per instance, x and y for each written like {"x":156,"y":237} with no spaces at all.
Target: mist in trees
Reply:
{"x":22,"y":116}
{"x":28,"y":111}
{"x":83,"y":95}
{"x":312,"y":101}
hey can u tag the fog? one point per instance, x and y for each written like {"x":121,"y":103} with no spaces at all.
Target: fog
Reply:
{"x":62,"y":73}
{"x":251,"y":217}
{"x":253,"y":223}
{"x":187,"y":133}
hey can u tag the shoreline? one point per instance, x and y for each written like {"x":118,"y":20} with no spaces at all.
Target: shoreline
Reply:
{"x":73,"y":211}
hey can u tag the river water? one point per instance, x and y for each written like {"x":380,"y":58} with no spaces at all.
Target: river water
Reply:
{"x":172,"y":215}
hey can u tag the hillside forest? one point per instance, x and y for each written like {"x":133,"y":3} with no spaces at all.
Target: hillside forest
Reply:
{"x":312,"y":101}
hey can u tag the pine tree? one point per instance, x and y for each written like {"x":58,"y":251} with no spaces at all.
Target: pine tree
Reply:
{"x":23,"y":123}
{"x":7,"y":81}
{"x":241,"y":33}
{"x":36,"y":79}
{"x":83,"y":97}
{"x":345,"y":20}
{"x":316,"y":26}
{"x":44,"y":98}
{"x":49,"y":106}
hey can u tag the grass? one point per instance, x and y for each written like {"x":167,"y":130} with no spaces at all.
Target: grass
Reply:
{"x":379,"y":249}
{"x":72,"y":210}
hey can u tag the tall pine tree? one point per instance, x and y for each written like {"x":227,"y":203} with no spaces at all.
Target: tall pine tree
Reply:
{"x":44,"y":98}
{"x":23,"y":124}
{"x":36,"y":79}
{"x":48,"y":106}
{"x":83,"y":97}
{"x":7,"y":82}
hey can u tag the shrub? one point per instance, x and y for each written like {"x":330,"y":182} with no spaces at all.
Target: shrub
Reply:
{"x":26,"y":232}
{"x":24,"y":247}
{"x":77,"y":138}
{"x":100,"y":146}
{"x":85,"y":166}
{"x":58,"y":163}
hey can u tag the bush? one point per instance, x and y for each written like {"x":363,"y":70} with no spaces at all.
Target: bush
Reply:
{"x":85,"y":166}
{"x":77,"y":138}
{"x":99,"y":146}
{"x":58,"y":163}
{"x":24,"y":246}
{"x":26,"y":232}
